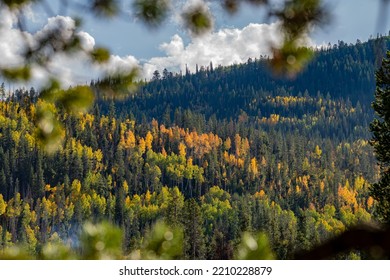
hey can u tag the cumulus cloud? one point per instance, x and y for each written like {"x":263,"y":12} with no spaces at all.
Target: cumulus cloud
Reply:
{"x":224,"y":47}
{"x":11,"y":44}
{"x":70,"y":69}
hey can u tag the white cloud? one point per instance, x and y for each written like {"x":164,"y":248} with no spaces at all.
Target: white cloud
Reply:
{"x":7,"y":19}
{"x":70,"y":69}
{"x":119,"y":64}
{"x":11,"y":44}
{"x":87,"y":41}
{"x":224,"y":47}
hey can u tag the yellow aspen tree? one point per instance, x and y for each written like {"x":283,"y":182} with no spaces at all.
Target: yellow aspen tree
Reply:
{"x":125,"y":187}
{"x":182,"y":150}
{"x":147,"y":198}
{"x":164,"y":153}
{"x":253,"y":168}
{"x":148,"y":140}
{"x":359,"y":183}
{"x":237,"y":143}
{"x":244,"y":147}
{"x":3,"y":205}
{"x":130,"y":140}
{"x":142,"y":145}
{"x":227,"y":144}
{"x":317,"y":152}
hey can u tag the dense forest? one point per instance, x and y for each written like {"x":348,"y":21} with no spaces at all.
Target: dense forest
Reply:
{"x":216,"y":153}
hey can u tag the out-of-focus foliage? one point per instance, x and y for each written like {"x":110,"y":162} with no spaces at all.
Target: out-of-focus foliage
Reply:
{"x":151,"y":12}
{"x":197,"y":19}
{"x":254,"y":248}
{"x":100,"y":55}
{"x":49,"y":130}
{"x":102,"y":241}
{"x":369,"y":239}
{"x":297,"y":17}
{"x":77,"y":99}
{"x":15,"y":4}
{"x":119,"y":85}
{"x":105,"y":8}
{"x":17,"y":74}
{"x":289,"y":59}
{"x":161,"y":243}
{"x":55,"y":249}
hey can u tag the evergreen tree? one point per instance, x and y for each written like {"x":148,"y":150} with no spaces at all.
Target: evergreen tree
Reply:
{"x":174,"y":207}
{"x":194,"y":241}
{"x":380,"y":128}
{"x":2,"y":91}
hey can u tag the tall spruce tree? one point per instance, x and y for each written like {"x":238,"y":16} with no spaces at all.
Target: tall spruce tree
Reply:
{"x":194,"y":239}
{"x":380,"y":128}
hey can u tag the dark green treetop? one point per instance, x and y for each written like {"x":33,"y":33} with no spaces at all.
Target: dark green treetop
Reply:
{"x":380,"y":128}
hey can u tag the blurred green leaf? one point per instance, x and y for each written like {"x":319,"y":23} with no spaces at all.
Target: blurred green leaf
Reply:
{"x":106,"y":8}
{"x":231,"y":6}
{"x":49,"y":131}
{"x":55,"y":249}
{"x":197,"y":19}
{"x":290,"y":59}
{"x":17,"y":74}
{"x":71,"y":45}
{"x":100,"y":55}
{"x":163,"y":242}
{"x":51,"y":92}
{"x":297,"y":16}
{"x":151,"y":12}
{"x":15,"y":253}
{"x":254,"y":248}
{"x":119,"y":86}
{"x":77,"y":99}
{"x":101,"y":241}
{"x":16,"y":4}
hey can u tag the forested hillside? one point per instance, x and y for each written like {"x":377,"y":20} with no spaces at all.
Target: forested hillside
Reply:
{"x":216,"y":153}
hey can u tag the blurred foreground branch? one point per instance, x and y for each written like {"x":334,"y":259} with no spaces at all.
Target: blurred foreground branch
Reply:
{"x":371,"y":240}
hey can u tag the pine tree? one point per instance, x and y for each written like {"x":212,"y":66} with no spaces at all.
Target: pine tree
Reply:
{"x":2,"y":91}
{"x":380,"y":128}
{"x":194,"y":241}
{"x":175,"y":206}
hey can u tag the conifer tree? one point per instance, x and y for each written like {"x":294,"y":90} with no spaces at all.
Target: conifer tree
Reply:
{"x":193,"y":233}
{"x":380,"y":128}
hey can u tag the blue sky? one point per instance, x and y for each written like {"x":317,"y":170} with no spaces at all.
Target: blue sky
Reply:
{"x":233,"y":40}
{"x":351,"y":20}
